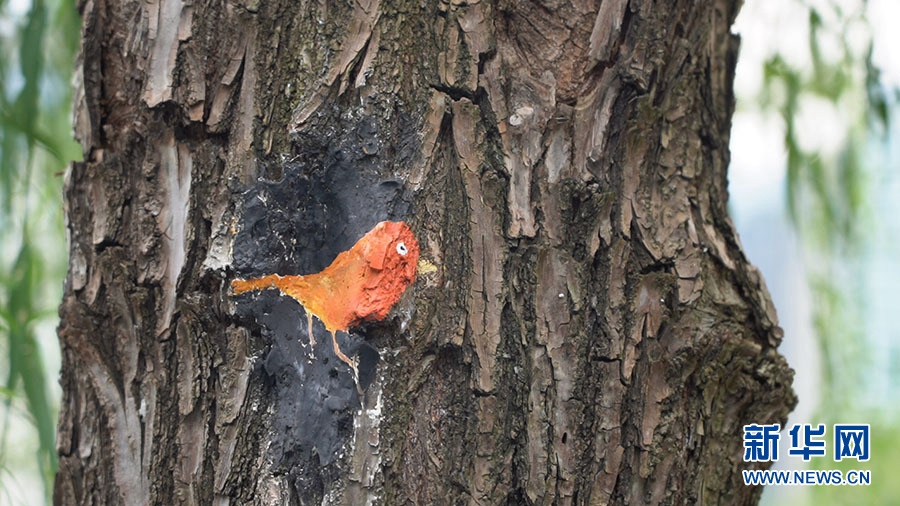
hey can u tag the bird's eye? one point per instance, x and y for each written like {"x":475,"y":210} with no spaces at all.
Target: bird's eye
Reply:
{"x":401,"y":248}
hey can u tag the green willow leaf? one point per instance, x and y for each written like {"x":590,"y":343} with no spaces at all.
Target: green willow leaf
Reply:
{"x":31,"y":60}
{"x":25,"y":360}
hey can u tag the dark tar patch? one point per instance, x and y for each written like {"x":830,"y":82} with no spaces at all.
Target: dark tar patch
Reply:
{"x":297,"y":222}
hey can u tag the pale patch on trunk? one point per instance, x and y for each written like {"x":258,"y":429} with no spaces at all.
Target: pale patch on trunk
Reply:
{"x":606,"y":29}
{"x":124,"y":415}
{"x":175,"y":165}
{"x":125,"y":426}
{"x":168,"y":23}
{"x":365,"y":461}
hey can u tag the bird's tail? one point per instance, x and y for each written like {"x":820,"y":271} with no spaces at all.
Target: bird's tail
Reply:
{"x":239,"y":286}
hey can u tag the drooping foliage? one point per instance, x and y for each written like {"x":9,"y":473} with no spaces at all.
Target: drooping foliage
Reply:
{"x":37,"y":47}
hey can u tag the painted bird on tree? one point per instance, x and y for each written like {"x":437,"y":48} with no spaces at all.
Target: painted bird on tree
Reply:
{"x":361,"y":284}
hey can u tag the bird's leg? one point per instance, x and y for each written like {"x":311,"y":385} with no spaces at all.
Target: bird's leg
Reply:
{"x":347,"y":360}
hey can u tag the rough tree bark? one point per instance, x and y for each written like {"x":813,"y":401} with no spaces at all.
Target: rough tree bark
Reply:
{"x":593,"y":335}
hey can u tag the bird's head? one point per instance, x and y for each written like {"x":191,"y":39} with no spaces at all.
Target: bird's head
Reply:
{"x":391,"y":246}
{"x":391,"y":253}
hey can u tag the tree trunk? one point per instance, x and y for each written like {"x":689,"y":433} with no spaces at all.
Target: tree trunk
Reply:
{"x":593,"y":333}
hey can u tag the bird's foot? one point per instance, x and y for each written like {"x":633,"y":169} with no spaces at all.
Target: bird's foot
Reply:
{"x":352,"y":365}
{"x":347,"y":360}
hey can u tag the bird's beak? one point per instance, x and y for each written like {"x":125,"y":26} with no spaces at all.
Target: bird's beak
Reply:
{"x":424,"y":267}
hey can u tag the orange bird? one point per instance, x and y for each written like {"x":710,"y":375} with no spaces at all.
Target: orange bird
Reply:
{"x":361,"y":284}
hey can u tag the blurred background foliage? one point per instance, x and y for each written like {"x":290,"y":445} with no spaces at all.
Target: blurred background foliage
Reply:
{"x":829,"y":187}
{"x":822,"y":79}
{"x":836,"y":115}
{"x":38,"y":40}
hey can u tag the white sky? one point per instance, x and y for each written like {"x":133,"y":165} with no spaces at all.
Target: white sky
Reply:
{"x":758,"y":167}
